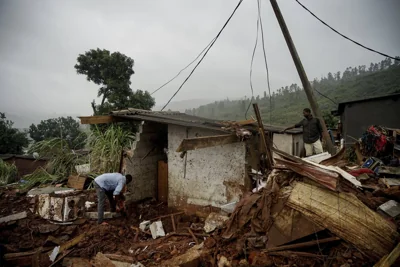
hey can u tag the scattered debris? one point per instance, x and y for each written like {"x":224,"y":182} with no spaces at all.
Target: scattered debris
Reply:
{"x":77,"y":182}
{"x":214,"y":221}
{"x":107,"y":215}
{"x":391,"y":208}
{"x":14,"y":217}
{"x":144,"y":225}
{"x":156,"y":229}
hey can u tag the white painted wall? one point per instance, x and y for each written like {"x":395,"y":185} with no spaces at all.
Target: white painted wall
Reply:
{"x":210,"y":176}
{"x":289,"y":143}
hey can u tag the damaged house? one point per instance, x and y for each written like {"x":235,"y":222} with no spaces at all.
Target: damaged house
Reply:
{"x":187,"y":160}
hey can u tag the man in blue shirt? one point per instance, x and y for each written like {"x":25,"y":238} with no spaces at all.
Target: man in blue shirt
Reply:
{"x":110,"y":185}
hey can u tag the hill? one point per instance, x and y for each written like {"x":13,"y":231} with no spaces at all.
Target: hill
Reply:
{"x":287,"y":103}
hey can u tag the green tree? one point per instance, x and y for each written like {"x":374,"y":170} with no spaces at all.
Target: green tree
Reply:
{"x":12,"y":141}
{"x":112,"y":71}
{"x":64,"y":128}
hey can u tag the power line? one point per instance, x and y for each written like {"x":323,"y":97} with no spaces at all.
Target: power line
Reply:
{"x":334,"y":102}
{"x":155,"y":91}
{"x":357,"y":43}
{"x":208,"y":49}
{"x":266,"y":63}
{"x":251,"y":64}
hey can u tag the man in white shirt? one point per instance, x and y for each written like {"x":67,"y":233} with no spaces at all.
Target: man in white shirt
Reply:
{"x":111,"y":185}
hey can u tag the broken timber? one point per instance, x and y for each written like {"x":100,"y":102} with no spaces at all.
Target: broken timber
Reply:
{"x":345,"y":216}
{"x":264,"y":138}
{"x":14,"y":217}
{"x":207,"y":141}
{"x":303,"y":245}
{"x":99,"y":119}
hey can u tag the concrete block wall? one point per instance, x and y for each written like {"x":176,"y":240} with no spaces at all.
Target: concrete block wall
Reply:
{"x":208,"y":176}
{"x":144,"y":171}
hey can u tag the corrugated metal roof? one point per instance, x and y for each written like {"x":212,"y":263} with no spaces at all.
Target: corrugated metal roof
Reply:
{"x":170,"y":117}
{"x":183,"y":119}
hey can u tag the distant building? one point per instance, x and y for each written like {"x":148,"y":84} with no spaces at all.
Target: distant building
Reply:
{"x":356,"y":116}
{"x":25,"y":164}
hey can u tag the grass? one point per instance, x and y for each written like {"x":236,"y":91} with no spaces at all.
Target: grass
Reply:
{"x":106,"y":147}
{"x":8,"y":172}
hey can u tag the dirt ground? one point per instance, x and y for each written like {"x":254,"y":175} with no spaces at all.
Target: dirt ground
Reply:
{"x":119,"y":237}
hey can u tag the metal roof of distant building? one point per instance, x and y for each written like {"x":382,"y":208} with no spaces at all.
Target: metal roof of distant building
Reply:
{"x":341,"y":105}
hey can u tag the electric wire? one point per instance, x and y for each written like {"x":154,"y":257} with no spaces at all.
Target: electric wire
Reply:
{"x":334,"y":102}
{"x":344,"y":36}
{"x":205,"y":53}
{"x":251,"y":64}
{"x":155,"y":91}
{"x":266,"y":63}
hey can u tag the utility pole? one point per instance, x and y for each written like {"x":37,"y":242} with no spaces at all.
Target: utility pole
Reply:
{"x":303,"y":76}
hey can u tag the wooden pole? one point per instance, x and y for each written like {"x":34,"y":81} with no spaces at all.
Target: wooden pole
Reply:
{"x":264,"y":138}
{"x":303,"y":76}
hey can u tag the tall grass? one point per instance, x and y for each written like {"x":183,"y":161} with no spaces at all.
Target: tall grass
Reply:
{"x":106,"y":147}
{"x":8,"y":172}
{"x":61,"y":161}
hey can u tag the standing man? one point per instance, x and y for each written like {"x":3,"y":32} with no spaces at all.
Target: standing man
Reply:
{"x":312,"y":133}
{"x":111,"y":185}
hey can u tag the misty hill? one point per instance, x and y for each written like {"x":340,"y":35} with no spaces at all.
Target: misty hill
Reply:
{"x":24,"y":120}
{"x":183,"y":104}
{"x":287,"y":103}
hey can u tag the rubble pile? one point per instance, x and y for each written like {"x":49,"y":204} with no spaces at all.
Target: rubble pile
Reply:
{"x":305,"y":212}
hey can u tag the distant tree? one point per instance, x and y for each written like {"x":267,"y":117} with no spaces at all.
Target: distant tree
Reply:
{"x":337,"y":76}
{"x":397,"y":62}
{"x":330,"y":120}
{"x":265,"y":95}
{"x":330,"y":76}
{"x":63,"y":127}
{"x":112,"y":71}
{"x":12,"y":141}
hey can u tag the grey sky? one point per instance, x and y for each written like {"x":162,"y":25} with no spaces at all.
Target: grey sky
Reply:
{"x":40,"y":41}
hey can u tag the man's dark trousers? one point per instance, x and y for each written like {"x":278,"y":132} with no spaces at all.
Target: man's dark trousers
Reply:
{"x":101,"y":194}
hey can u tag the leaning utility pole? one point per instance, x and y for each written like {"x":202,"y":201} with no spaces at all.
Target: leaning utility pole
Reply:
{"x":303,"y":76}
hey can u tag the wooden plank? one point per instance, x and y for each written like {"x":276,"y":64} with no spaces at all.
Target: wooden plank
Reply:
{"x":390,"y":259}
{"x":99,"y":119}
{"x":76,"y":181}
{"x":304,"y":244}
{"x":71,"y":243}
{"x":295,"y":254}
{"x":265,"y":138}
{"x":162,"y":183}
{"x":207,"y":141}
{"x":121,"y":258}
{"x":14,"y":217}
{"x":346,"y":217}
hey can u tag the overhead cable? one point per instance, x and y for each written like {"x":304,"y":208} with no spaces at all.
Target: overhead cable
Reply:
{"x":251,"y":64}
{"x":205,"y":53}
{"x":344,"y":36}
{"x":266,"y":63}
{"x":155,"y":91}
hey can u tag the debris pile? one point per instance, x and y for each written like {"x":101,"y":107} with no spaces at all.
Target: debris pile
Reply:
{"x":302,"y":212}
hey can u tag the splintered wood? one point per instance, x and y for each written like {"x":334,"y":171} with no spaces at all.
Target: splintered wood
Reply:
{"x":345,"y":216}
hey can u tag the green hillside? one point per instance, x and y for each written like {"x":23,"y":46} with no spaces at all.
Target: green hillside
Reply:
{"x":288,"y":102}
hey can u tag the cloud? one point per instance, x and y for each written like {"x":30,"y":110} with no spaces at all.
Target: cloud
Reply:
{"x":40,"y":41}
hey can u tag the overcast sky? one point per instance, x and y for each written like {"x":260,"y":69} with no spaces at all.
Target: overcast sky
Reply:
{"x":40,"y":41}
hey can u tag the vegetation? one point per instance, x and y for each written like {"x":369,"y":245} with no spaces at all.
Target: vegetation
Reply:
{"x":106,"y":147}
{"x":8,"y":172}
{"x":64,"y":128}
{"x":112,"y":71}
{"x":12,"y":141}
{"x":287,"y":102}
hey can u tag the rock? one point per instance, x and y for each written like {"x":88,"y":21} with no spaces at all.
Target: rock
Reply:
{"x":358,"y":255}
{"x":345,"y":265}
{"x":156,"y":229}
{"x":189,"y":259}
{"x":223,"y":262}
{"x":209,"y":242}
{"x":243,"y":262}
{"x":138,"y":264}
{"x":214,"y":221}
{"x":48,"y":228}
{"x":347,"y":255}
{"x":102,"y":261}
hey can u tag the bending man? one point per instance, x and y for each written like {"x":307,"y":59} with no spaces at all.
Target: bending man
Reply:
{"x":312,"y":133}
{"x":111,"y":185}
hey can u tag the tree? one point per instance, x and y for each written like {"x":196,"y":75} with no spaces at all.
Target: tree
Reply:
{"x":64,"y":128}
{"x":12,"y":141}
{"x":112,"y":71}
